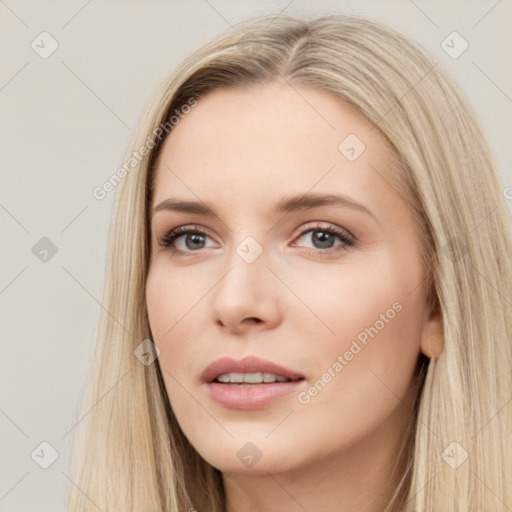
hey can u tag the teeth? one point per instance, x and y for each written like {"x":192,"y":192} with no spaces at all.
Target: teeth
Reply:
{"x":251,"y":378}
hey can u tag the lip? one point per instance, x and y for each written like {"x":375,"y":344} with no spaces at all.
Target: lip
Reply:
{"x":249,"y":364}
{"x":250,"y":396}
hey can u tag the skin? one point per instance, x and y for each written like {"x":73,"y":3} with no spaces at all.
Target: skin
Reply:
{"x":240,"y":151}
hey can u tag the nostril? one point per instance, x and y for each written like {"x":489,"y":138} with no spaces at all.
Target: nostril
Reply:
{"x":253,"y":319}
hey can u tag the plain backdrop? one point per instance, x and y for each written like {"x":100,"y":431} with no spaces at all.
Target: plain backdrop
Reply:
{"x":66,"y":122}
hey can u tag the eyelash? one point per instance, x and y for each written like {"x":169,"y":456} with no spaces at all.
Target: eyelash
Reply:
{"x":347,"y":239}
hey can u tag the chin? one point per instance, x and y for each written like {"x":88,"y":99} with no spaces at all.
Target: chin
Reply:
{"x":247,"y":459}
{"x":260,"y":468}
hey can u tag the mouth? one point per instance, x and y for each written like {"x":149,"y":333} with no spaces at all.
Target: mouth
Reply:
{"x":250,"y":383}
{"x":249,"y":370}
{"x":251,"y":379}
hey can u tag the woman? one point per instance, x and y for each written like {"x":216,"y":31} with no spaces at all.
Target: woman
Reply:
{"x":366,"y":370}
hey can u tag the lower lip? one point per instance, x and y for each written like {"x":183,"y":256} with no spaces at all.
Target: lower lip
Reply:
{"x":252,"y":396}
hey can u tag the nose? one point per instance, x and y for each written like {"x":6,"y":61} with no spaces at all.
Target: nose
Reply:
{"x":247,"y":296}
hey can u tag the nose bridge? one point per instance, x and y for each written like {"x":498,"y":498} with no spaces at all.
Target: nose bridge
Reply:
{"x":251,"y":250}
{"x":247,"y":261}
{"x":249,"y":240}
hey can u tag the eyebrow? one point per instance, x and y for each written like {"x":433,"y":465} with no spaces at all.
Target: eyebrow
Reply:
{"x":286,"y":204}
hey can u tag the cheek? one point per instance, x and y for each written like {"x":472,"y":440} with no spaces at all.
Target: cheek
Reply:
{"x":368,"y":346}
{"x":173,"y":307}
{"x":169,"y":299}
{"x":158,"y":302}
{"x":171,"y":317}
{"x":365,"y":376}
{"x":347,"y":301}
{"x":165,"y":307}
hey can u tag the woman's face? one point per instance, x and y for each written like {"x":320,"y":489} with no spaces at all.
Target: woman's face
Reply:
{"x":330,"y":289}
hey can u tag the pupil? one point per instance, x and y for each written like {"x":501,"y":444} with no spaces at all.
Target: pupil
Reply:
{"x":324,"y":238}
{"x":196,"y":239}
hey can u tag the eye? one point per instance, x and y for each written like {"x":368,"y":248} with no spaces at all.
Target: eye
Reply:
{"x":323,"y":238}
{"x":193,"y":238}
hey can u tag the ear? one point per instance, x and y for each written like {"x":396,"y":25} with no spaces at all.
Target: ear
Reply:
{"x":432,"y":337}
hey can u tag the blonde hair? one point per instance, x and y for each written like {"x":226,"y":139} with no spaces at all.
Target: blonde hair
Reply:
{"x":130,"y":454}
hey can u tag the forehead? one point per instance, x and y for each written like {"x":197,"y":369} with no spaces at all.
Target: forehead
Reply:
{"x":259,"y":143}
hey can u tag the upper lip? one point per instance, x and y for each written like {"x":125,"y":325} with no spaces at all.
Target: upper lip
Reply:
{"x":249,"y":364}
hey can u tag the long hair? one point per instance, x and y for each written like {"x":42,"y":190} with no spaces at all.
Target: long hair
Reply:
{"x":129,"y":452}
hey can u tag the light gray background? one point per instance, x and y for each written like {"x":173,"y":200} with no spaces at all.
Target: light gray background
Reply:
{"x":66,"y":122}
